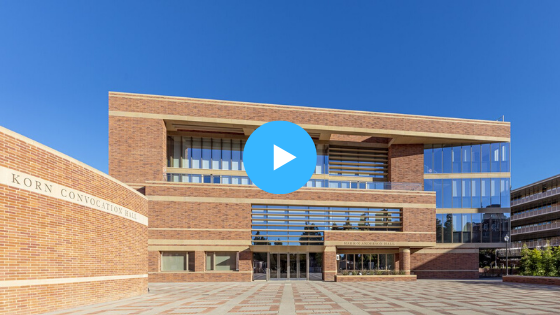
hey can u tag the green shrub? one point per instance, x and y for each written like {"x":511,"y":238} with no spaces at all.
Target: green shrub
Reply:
{"x":545,"y":262}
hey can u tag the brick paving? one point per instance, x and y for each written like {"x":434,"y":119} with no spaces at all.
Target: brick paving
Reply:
{"x":314,"y":298}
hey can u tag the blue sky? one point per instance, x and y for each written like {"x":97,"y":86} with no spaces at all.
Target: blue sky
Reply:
{"x":482,"y":60}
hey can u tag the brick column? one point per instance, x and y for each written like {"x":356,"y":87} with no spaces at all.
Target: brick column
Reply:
{"x":329,"y":263}
{"x":199,"y":261}
{"x":404,"y":260}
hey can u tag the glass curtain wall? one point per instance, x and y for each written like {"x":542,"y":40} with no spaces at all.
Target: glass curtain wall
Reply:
{"x":472,"y":227}
{"x":485,"y":158}
{"x":470,"y":193}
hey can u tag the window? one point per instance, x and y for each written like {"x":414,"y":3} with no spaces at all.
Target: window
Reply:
{"x":495,"y":157}
{"x":485,"y":154}
{"x":475,"y":158}
{"x":428,"y":161}
{"x":438,"y":160}
{"x":447,"y":159}
{"x":456,"y":159}
{"x":366,"y":262}
{"x":177,"y":261}
{"x":504,"y":156}
{"x":222,"y":261}
{"x":466,"y":159}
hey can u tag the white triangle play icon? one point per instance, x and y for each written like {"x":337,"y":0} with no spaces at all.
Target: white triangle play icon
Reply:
{"x":281,"y":157}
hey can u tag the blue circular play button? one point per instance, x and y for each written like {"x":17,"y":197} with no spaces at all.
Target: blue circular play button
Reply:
{"x":280,"y":157}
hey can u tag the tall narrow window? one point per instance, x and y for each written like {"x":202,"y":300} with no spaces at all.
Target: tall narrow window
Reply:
{"x":505,"y":192}
{"x":448,"y":228}
{"x":485,"y":192}
{"x":456,"y":183}
{"x":226,"y":154}
{"x":504,"y":157}
{"x":206,"y":152}
{"x":236,"y":155}
{"x":186,"y":152}
{"x":447,"y":193}
{"x":475,"y":158}
{"x":196,"y":153}
{"x":216,"y":154}
{"x":456,"y":159}
{"x":495,"y":156}
{"x":466,"y":193}
{"x":475,"y":193}
{"x":495,"y":192}
{"x":466,"y":159}
{"x":467,"y":227}
{"x":438,"y":160}
{"x":428,"y":161}
{"x":457,"y":228}
{"x":447,"y":159}
{"x":485,"y":154}
{"x":477,"y":227}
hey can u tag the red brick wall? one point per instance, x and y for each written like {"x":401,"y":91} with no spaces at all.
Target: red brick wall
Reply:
{"x":301,"y":115}
{"x":137,"y":149}
{"x":444,"y":265}
{"x":406,"y":163}
{"x":48,"y":238}
{"x":532,"y":280}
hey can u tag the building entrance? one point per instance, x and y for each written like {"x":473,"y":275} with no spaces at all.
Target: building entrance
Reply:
{"x":287,"y":266}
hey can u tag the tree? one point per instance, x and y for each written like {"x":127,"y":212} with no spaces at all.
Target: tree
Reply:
{"x":548,"y":262}
{"x":311,"y":234}
{"x":260,"y":240}
{"x":536,"y":262}
{"x":525,"y":265}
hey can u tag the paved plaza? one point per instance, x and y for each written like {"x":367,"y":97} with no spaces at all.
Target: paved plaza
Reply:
{"x":395,"y":298}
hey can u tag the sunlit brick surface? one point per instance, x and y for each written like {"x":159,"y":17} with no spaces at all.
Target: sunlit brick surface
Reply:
{"x":421,"y":297}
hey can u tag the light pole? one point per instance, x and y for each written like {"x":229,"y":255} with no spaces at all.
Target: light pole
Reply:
{"x":506,"y":238}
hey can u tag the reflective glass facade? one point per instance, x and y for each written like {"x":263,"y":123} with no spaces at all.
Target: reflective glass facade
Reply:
{"x":300,"y":225}
{"x":480,"y":158}
{"x":472,"y":227}
{"x":470,"y":192}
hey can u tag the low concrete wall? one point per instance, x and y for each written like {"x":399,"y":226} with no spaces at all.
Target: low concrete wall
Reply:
{"x":365,"y":278}
{"x":532,"y":280}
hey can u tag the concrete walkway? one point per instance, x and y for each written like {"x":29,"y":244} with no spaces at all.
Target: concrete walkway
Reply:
{"x":395,"y":298}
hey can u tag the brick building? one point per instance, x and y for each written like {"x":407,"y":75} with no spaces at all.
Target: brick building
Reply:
{"x":390,"y":191}
{"x":535,"y":214}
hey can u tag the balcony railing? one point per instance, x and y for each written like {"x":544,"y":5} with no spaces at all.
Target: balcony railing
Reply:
{"x":540,"y":243}
{"x":538,"y":228}
{"x":548,"y":193}
{"x":534,"y":213}
{"x":312,"y":183}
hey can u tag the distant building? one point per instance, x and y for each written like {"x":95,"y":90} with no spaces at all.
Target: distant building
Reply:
{"x":535,"y":214}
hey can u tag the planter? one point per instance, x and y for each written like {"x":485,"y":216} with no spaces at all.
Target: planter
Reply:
{"x":367,"y":278}
{"x":532,"y":280}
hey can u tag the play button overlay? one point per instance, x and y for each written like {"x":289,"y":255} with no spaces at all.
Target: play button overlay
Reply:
{"x":279,"y":157}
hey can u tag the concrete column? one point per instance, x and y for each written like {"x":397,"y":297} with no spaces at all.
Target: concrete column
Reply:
{"x":404,"y":260}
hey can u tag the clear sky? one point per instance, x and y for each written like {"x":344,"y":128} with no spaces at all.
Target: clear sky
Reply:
{"x":483,"y":59}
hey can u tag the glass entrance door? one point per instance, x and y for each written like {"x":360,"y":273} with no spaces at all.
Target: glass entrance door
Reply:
{"x":302,"y":266}
{"x":283,"y":266}
{"x":287,"y":266}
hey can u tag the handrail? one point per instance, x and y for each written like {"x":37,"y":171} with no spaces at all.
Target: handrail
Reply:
{"x":533,"y":197}
{"x":530,"y":214}
{"x":538,"y":228}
